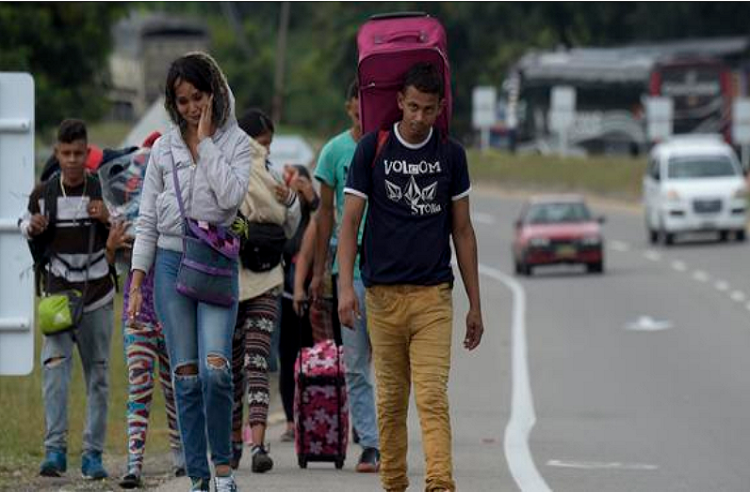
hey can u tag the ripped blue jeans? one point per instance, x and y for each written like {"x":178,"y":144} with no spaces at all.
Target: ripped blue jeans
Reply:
{"x":199,"y":339}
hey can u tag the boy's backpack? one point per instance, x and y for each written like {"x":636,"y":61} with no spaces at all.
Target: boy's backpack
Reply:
{"x":389,"y":44}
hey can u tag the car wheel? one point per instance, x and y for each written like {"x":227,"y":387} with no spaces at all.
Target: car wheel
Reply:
{"x":740,"y":236}
{"x":667,"y":237}
{"x":596,"y":267}
{"x":519,"y":267}
{"x":653,"y":236}
{"x":523,"y":268}
{"x":723,"y":236}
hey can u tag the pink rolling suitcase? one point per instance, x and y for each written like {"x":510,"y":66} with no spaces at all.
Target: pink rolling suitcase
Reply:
{"x":389,"y":44}
{"x":321,"y":411}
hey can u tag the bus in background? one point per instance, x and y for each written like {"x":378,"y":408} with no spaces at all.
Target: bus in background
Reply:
{"x":702,"y":93}
{"x":703,"y":76}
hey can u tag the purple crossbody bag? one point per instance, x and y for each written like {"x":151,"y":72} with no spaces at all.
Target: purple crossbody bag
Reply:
{"x":209,"y":258}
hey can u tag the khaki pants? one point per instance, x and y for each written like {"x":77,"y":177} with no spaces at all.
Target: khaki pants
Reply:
{"x":411,"y":329}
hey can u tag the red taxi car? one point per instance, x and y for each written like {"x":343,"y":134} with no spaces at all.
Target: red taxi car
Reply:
{"x":557,"y":229}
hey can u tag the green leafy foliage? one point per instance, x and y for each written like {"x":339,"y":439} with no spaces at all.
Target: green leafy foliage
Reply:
{"x":65,"y":47}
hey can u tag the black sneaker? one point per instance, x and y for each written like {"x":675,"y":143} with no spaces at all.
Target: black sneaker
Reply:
{"x":369,"y":461}
{"x":261,"y":461}
{"x":131,"y":481}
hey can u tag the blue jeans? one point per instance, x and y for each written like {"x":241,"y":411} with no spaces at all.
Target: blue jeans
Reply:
{"x":358,"y":359}
{"x":195,"y":331}
{"x":92,"y":337}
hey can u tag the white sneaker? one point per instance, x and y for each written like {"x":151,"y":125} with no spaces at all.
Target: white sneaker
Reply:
{"x":225,"y":484}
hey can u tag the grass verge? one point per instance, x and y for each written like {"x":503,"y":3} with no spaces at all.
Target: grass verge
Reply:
{"x":610,"y":177}
{"x":22,"y":426}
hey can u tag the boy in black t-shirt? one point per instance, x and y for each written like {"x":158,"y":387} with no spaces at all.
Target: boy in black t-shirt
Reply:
{"x":416,"y":184}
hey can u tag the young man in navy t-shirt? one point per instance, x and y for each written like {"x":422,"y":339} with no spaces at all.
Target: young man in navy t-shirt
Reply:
{"x":416,"y":184}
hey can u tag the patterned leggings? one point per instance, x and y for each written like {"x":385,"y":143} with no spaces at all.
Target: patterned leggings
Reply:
{"x":251,"y":345}
{"x":144,"y":345}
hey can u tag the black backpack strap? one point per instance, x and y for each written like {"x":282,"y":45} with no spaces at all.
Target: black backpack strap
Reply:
{"x":40,"y":245}
{"x":51,"y":193}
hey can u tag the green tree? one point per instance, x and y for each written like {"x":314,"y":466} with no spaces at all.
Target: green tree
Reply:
{"x":65,"y":47}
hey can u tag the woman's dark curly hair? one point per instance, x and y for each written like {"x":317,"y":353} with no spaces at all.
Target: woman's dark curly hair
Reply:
{"x":202,"y":71}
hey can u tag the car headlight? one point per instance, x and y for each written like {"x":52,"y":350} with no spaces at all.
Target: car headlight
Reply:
{"x":672,"y":196}
{"x":591,"y":241}
{"x":538,"y":242}
{"x":741,"y":193}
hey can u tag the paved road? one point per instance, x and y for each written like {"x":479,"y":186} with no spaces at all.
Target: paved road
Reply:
{"x":635,"y":380}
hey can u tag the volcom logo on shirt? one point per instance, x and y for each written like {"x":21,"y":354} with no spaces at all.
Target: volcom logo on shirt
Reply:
{"x":420,"y":200}
{"x":403,"y":167}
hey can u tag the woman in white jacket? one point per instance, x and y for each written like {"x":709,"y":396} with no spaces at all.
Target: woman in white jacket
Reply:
{"x":271,"y":202}
{"x":212,"y":158}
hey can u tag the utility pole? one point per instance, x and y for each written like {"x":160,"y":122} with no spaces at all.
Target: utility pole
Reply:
{"x":235,"y":22}
{"x":278,"y":82}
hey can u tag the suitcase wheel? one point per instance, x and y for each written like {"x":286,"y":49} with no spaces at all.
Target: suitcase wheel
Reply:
{"x":302,"y":461}
{"x":340,"y":463}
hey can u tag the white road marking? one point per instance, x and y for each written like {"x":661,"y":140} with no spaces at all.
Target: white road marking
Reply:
{"x":652,"y":255}
{"x":620,"y":246}
{"x":522,"y":415}
{"x":595,"y":465}
{"x":738,"y":296}
{"x":647,"y":323}
{"x":700,"y":276}
{"x":680,"y":266}
{"x":722,"y":285}
{"x":482,"y":218}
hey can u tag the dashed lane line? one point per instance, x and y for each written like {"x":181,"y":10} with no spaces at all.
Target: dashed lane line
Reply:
{"x":679,"y":266}
{"x":652,"y":255}
{"x":738,"y":296}
{"x":722,"y":285}
{"x":700,"y":276}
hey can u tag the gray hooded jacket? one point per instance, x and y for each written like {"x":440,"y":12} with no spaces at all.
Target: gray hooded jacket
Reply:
{"x":212,"y":189}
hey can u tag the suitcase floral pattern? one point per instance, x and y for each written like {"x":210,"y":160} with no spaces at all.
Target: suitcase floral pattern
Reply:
{"x":320,"y":404}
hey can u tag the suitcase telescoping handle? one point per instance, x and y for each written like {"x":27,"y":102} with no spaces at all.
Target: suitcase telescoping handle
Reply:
{"x":418,"y":36}
{"x":398,"y":15}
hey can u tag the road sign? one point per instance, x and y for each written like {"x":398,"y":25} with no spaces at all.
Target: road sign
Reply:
{"x":562,"y":114}
{"x":741,"y":121}
{"x":484,"y":107}
{"x":16,"y":182}
{"x":484,"y":113}
{"x":741,"y":127}
{"x":562,"y":111}
{"x":659,"y":114}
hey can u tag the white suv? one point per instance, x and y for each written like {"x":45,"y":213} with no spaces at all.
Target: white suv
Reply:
{"x":694,"y":183}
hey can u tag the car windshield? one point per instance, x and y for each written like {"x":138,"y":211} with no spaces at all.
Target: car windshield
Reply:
{"x":701,"y":167}
{"x":558,"y":213}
